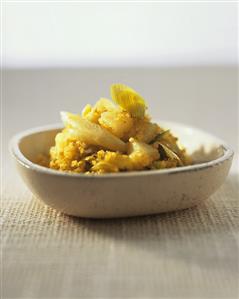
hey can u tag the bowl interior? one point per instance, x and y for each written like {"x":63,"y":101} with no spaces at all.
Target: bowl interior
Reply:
{"x":203,"y":147}
{"x":36,"y":143}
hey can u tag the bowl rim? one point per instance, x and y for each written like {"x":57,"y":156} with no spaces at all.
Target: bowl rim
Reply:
{"x":20,"y":158}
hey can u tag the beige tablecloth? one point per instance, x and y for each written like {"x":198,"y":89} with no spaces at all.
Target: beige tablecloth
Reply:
{"x":187,"y":254}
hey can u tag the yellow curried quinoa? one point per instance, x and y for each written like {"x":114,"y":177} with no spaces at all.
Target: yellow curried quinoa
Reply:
{"x":114,"y":137}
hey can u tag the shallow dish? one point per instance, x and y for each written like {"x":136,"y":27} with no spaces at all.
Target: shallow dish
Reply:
{"x":124,"y":194}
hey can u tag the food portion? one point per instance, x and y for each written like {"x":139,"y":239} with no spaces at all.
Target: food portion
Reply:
{"x":114,"y":136}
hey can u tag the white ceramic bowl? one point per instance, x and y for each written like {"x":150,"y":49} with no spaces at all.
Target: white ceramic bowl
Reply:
{"x":124,"y":194}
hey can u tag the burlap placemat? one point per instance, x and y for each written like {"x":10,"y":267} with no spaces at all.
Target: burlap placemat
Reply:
{"x":185,"y":254}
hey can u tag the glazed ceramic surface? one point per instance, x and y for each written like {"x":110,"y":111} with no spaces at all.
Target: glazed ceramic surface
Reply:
{"x":124,"y":194}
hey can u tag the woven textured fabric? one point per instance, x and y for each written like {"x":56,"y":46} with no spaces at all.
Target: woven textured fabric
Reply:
{"x":185,"y":254}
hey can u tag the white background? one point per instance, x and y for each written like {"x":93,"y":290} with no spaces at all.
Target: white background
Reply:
{"x":119,"y":34}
